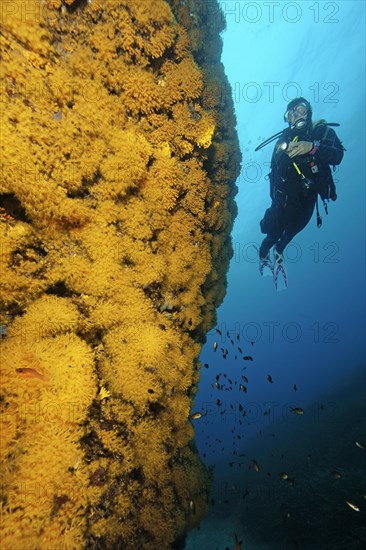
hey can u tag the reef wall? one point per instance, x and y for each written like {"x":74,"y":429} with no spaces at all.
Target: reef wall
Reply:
{"x":119,"y":157}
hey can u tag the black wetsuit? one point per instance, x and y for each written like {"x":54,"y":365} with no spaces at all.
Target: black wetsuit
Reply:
{"x":293,"y":201}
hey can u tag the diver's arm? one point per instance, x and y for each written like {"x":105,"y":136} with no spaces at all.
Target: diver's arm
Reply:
{"x":329,"y":150}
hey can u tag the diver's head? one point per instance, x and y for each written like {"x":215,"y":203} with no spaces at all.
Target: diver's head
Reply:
{"x":298,"y":114}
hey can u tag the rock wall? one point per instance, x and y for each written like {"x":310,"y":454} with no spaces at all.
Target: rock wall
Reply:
{"x":119,"y":157}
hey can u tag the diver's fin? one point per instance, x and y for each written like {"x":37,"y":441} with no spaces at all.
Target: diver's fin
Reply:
{"x":279,"y":272}
{"x":266,"y":267}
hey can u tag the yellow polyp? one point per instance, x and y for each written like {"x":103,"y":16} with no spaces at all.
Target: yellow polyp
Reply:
{"x":117,"y":191}
{"x":103,"y":393}
{"x":164,"y":151}
{"x":205,"y":140}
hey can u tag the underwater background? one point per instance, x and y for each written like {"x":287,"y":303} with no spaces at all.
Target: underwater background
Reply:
{"x":309,"y":339}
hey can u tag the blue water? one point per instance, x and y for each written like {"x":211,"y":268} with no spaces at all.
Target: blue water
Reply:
{"x":312,"y":334}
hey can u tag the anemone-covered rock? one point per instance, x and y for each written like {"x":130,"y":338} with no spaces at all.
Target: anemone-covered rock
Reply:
{"x":116,"y":206}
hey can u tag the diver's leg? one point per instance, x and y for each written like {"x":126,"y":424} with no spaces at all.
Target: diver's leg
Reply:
{"x":266,"y":245}
{"x":295,"y":225}
{"x":272,"y":225}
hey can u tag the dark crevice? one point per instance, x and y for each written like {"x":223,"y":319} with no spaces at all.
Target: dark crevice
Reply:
{"x":13,"y":207}
{"x":79,"y":193}
{"x":77,"y":4}
{"x":127,"y":262}
{"x":93,"y":448}
{"x":92,"y":337}
{"x":155,"y":409}
{"x":84,"y":189}
{"x":131,"y":191}
{"x":12,"y":309}
{"x":153,"y":292}
{"x":60,"y":289}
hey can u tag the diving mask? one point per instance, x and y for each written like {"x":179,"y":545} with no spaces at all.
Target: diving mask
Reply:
{"x":301,"y":109}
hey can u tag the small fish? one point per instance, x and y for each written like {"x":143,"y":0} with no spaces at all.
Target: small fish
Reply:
{"x":353,"y":506}
{"x":297,"y":410}
{"x":206,"y":365}
{"x":336,"y":474}
{"x":283,"y":475}
{"x":248,"y":358}
{"x":360,"y":445}
{"x":218,"y":331}
{"x":244,"y":378}
{"x":243,"y":388}
{"x":255,"y":465}
{"x":30,"y":373}
{"x":215,"y":346}
{"x":240,"y":350}
{"x":238,"y":542}
{"x":192,"y":507}
{"x":269,"y":378}
{"x":196,"y":415}
{"x":294,"y":387}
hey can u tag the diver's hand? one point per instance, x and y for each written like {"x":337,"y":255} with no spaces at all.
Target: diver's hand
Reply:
{"x":296,"y":148}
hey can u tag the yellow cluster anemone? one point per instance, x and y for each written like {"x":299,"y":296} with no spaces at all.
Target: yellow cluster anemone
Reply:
{"x":118,"y":161}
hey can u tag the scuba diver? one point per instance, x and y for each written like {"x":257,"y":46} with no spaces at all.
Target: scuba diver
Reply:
{"x":300,"y":170}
